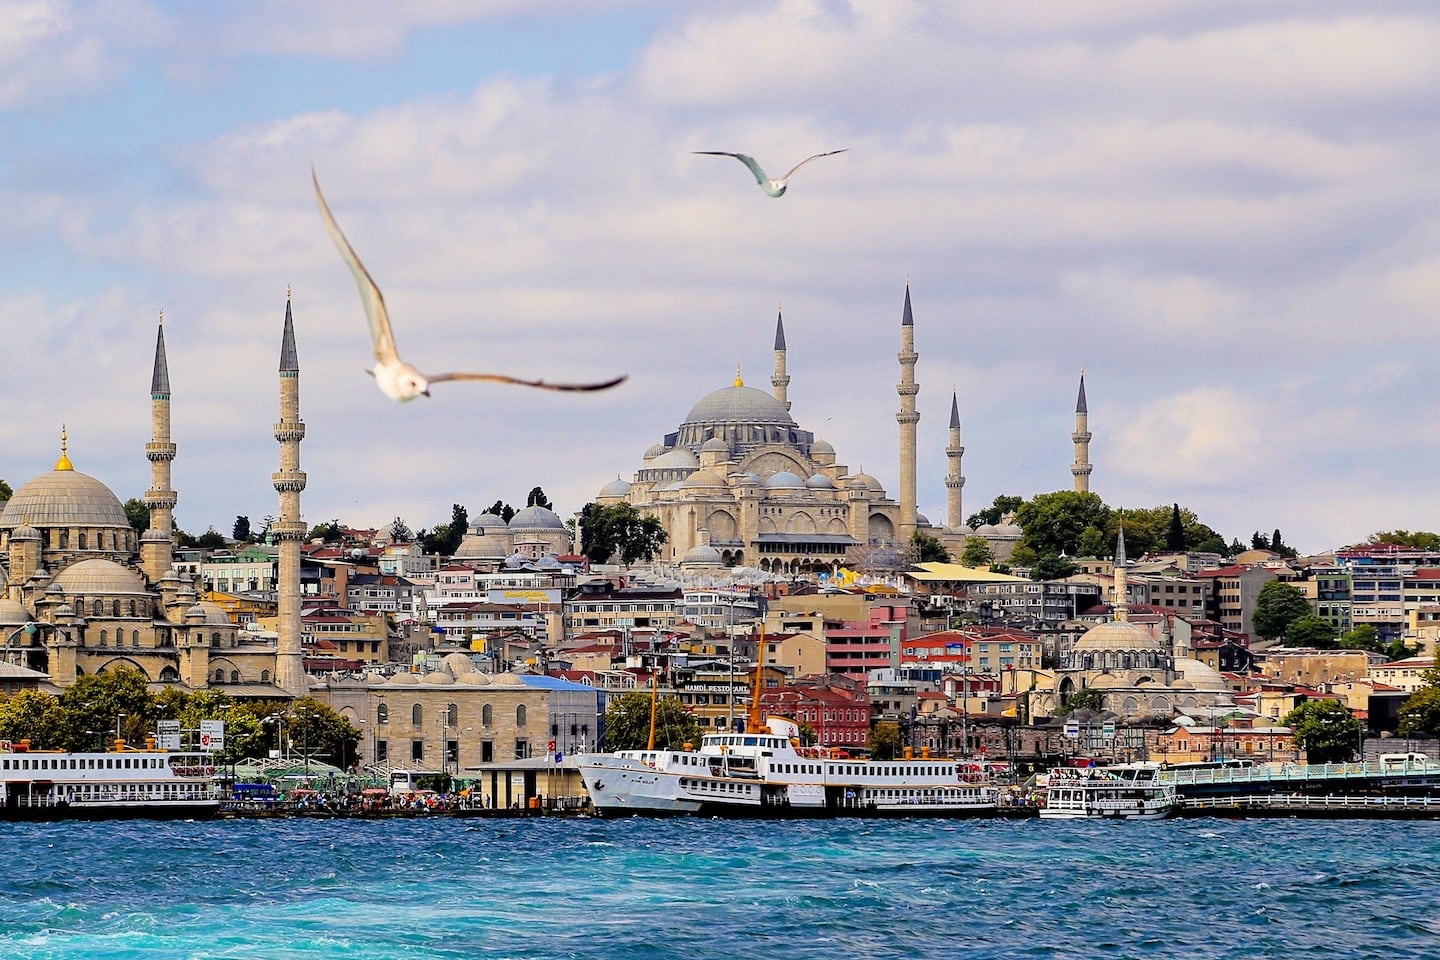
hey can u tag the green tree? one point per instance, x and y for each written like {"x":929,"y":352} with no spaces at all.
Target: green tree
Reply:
{"x":627,"y":723}
{"x":1051,"y":523}
{"x":1085,"y":698}
{"x":1278,"y":605}
{"x":1325,"y":730}
{"x":1094,"y":543}
{"x":1052,"y":567}
{"x":1310,"y":630}
{"x":1175,"y":534}
{"x":808,"y":736}
{"x":311,"y":729}
{"x":241,"y":530}
{"x":537,"y":498}
{"x":1258,"y":541}
{"x":211,"y":539}
{"x":327,"y":532}
{"x":925,"y":548}
{"x":1419,"y":539}
{"x":138,"y":514}
{"x":1363,"y":637}
{"x":32,"y":715}
{"x":1420,"y":713}
{"x":977,"y":553}
{"x":400,"y":532}
{"x":1023,"y":556}
{"x":502,"y":510}
{"x":97,"y":704}
{"x":1002,"y":507}
{"x":1281,"y":547}
{"x":1398,"y":649}
{"x":5,"y":492}
{"x":619,"y":529}
{"x":265,"y":522}
{"x":885,"y":740}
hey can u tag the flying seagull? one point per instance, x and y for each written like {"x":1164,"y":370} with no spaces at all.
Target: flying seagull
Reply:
{"x":775,"y":188}
{"x":397,"y":379}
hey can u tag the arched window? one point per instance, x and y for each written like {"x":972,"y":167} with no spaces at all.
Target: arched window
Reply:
{"x":81,"y":539}
{"x":135,"y":637}
{"x":382,"y":713}
{"x":219,"y":676}
{"x":452,"y":715}
{"x":114,"y":608}
{"x":520,"y":715}
{"x":104,"y":637}
{"x":169,"y":675}
{"x":234,"y":676}
{"x":264,"y":676}
{"x":487,"y":715}
{"x":64,"y":539}
{"x":215,"y":639}
{"x":97,"y":609}
{"x":416,"y":715}
{"x":134,"y":610}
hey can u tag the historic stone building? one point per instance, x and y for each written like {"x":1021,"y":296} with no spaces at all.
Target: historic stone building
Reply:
{"x":80,"y":593}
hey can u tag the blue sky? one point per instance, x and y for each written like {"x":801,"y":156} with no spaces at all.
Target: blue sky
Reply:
{"x":1226,"y":213}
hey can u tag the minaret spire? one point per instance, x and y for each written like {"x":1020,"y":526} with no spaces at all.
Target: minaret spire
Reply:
{"x":908,"y":417}
{"x":1081,"y":468}
{"x":1122,"y":585}
{"x":955,"y":479}
{"x":781,"y":379}
{"x":289,"y":530}
{"x":157,"y":543}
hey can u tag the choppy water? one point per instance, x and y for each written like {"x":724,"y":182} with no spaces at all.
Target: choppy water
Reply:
{"x":715,"y":889}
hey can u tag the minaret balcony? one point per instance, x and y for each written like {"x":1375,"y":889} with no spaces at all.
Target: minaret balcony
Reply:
{"x":287,"y":431}
{"x":1081,"y":436}
{"x":157,"y":450}
{"x":954,"y":483}
{"x":288,"y":530}
{"x":907,"y":417}
{"x":288,"y":481}
{"x":160,"y":499}
{"x":956,"y":451}
{"x":1082,"y":469}
{"x":907,"y":389}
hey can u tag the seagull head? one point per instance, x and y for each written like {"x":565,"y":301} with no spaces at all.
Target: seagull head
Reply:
{"x":412,"y":384}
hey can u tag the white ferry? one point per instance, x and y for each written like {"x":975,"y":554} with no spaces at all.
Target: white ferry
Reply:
{"x":1122,"y":792}
{"x":157,"y":784}
{"x":765,"y":773}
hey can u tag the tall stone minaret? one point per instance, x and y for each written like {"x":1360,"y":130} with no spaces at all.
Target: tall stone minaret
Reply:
{"x":289,"y":530}
{"x":1122,"y":583}
{"x":780,"y":380}
{"x":157,"y":543}
{"x":1081,"y":467}
{"x":908,"y":417}
{"x":954,"y":480}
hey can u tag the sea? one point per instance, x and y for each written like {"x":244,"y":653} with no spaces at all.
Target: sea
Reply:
{"x":557,"y":887}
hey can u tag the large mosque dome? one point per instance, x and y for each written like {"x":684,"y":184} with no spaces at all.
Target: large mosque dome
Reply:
{"x":1117,"y":635}
{"x":64,"y":497}
{"x":738,"y":404}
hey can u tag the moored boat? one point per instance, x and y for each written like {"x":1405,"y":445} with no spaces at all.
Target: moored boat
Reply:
{"x":764,"y":772}
{"x":124,"y":783}
{"x":1122,"y":792}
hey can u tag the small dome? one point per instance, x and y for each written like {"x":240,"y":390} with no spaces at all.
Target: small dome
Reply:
{"x":402,"y":680}
{"x":863,"y":481}
{"x":457,"y":665}
{"x":98,"y":576}
{"x":486,"y":522}
{"x":213,"y":613}
{"x":656,"y":450}
{"x":680,"y":459}
{"x":437,"y":678}
{"x":13,"y":614}
{"x":715,"y":445}
{"x":1201,"y":676}
{"x":1008,"y":530}
{"x":476,"y":679}
{"x":25,"y":532}
{"x":548,"y":563}
{"x":921,"y":520}
{"x":536,"y":518}
{"x":1117,"y":635}
{"x":985,"y":530}
{"x":615,"y":488}
{"x":701,"y":555}
{"x":702,"y":478}
{"x":821,"y":448}
{"x":785,"y":480}
{"x":820,"y":482}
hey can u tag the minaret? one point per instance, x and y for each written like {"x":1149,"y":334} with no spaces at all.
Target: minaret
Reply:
{"x":289,"y":530}
{"x":907,"y":418}
{"x":954,"y":480}
{"x":781,"y":380}
{"x":1081,"y":467}
{"x":157,"y":543}
{"x":1122,"y":584}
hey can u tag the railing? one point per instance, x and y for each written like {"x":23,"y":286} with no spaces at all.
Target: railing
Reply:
{"x":1297,"y":773}
{"x":1297,"y":800}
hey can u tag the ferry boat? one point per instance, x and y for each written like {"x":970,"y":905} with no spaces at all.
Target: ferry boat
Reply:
{"x":123,"y":783}
{"x":1122,"y":792}
{"x":765,"y":773}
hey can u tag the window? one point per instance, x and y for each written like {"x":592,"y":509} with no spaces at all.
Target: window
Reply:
{"x":234,"y":676}
{"x":134,"y":637}
{"x":520,"y":716}
{"x":452,"y":715}
{"x":487,"y":751}
{"x":382,"y":751}
{"x":219,"y":676}
{"x":522,"y":749}
{"x":416,"y":715}
{"x":114,"y":608}
{"x":104,"y":636}
{"x":417,"y":749}
{"x":264,"y":676}
{"x":382,"y":712}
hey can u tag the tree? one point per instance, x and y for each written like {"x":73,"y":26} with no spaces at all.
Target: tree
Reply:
{"x":1258,"y":541}
{"x":5,"y":492}
{"x":400,"y":532}
{"x":1310,"y":630}
{"x":502,"y":510}
{"x":627,"y":723}
{"x":1175,"y":535}
{"x":265,"y":523}
{"x":1325,"y":730}
{"x":1420,"y":713}
{"x":1363,"y":637}
{"x":619,"y":529}
{"x":1002,"y":507}
{"x":537,"y":498}
{"x":327,"y":532}
{"x":34,"y":716}
{"x":97,"y":704}
{"x":314,"y":728}
{"x":1051,"y":523}
{"x":977,"y":553}
{"x":138,"y":514}
{"x":925,"y":548}
{"x":1085,"y":698}
{"x":241,"y":530}
{"x":1281,"y":547}
{"x":885,"y":740}
{"x":1419,"y":539}
{"x":1052,"y":567}
{"x":1278,"y":605}
{"x":211,"y":539}
{"x":1094,"y":543}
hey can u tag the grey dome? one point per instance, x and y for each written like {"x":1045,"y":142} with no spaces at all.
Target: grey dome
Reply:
{"x":536,"y":518}
{"x":820,"y":482}
{"x":715,"y":445}
{"x":863,"y":481}
{"x":64,"y":498}
{"x":680,"y":459}
{"x":785,"y":480}
{"x":821,"y":448}
{"x":702,"y":478}
{"x":487,"y":521}
{"x":701,"y":555}
{"x":656,"y":450}
{"x":98,"y":576}
{"x":615,"y":488}
{"x":739,"y":405}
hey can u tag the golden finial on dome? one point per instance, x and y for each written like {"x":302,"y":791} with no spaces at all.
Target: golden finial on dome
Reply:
{"x":64,"y":462}
{"x":738,"y":381}
{"x":162,"y":318}
{"x":287,"y":293}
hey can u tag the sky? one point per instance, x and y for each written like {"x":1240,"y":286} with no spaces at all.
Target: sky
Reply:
{"x":1225,"y":213}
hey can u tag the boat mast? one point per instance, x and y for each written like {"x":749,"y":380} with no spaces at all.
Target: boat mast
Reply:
{"x":752,"y":717}
{"x":654,"y":702}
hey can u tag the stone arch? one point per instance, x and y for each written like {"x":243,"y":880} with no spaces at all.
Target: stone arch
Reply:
{"x":1160,"y":705}
{"x":1130,"y":706}
{"x":169,"y":674}
{"x":125,"y":662}
{"x":382,"y":712}
{"x":800,"y":522}
{"x":767,"y":525}
{"x":880,"y":528}
{"x":722,"y":526}
{"x":837,"y":526}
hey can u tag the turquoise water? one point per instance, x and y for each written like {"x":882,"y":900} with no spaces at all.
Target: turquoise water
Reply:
{"x":553,"y":887}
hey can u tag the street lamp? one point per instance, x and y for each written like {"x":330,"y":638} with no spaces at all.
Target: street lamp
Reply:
{"x":29,"y":629}
{"x":119,"y":719}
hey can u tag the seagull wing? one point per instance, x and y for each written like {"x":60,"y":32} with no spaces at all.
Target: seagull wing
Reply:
{"x":749,"y":161}
{"x":828,"y":153}
{"x":370,"y":296}
{"x":516,"y":381}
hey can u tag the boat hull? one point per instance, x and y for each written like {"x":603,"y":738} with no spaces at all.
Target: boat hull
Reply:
{"x":169,"y":810}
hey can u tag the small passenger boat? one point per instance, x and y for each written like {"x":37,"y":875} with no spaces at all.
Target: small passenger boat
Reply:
{"x":123,"y":783}
{"x":1123,"y":792}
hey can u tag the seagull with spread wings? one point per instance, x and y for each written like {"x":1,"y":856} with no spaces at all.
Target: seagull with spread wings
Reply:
{"x":775,"y":188}
{"x":397,"y":379}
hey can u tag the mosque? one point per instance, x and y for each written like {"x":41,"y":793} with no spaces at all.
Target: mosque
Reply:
{"x":740,"y":483}
{"x":80,"y":593}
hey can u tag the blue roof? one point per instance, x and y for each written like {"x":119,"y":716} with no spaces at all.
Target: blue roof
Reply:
{"x":546,"y":682}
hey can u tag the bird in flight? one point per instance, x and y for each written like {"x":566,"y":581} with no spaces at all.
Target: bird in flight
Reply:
{"x":775,"y":188}
{"x":397,"y":379}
